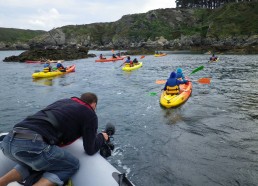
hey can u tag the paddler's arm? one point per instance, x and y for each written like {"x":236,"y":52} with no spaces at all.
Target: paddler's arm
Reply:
{"x":92,"y":141}
{"x":181,"y":82}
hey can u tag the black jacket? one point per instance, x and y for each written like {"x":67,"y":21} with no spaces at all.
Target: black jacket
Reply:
{"x":75,"y":119}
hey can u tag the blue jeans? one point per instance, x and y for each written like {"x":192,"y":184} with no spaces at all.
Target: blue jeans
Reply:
{"x":58,"y":165}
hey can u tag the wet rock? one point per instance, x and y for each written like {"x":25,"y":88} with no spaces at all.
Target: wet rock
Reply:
{"x":69,"y":53}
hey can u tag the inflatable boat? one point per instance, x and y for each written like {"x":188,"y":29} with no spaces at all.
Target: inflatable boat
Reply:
{"x":94,"y":170}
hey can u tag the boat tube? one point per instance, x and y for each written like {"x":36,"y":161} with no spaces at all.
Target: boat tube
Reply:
{"x":94,"y":170}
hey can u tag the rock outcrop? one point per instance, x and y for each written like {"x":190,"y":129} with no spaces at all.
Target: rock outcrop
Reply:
{"x":69,"y":53}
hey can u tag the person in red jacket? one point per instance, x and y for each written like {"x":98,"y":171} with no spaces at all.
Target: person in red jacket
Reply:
{"x":35,"y":143}
{"x":101,"y":56}
{"x":129,"y":61}
{"x":213,"y":57}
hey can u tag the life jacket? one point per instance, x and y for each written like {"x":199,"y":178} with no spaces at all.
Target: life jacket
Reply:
{"x":61,"y":69}
{"x":172,"y":90}
{"x":46,"y":69}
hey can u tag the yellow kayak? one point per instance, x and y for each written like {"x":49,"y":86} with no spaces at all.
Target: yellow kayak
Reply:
{"x":170,"y":101}
{"x":160,"y":55}
{"x":52,"y":73}
{"x":134,"y":67}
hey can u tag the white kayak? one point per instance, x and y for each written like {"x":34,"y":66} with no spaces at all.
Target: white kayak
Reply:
{"x":94,"y":170}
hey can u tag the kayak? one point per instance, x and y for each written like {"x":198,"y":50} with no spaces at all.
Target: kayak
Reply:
{"x":110,"y":59}
{"x":55,"y":61}
{"x":160,"y":55}
{"x":134,"y":67}
{"x":53,"y":73}
{"x":34,"y":62}
{"x":169,"y":101}
{"x":94,"y":170}
{"x":50,"y":61}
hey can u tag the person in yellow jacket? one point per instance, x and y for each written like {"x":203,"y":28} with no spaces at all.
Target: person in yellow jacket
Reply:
{"x":47,"y":67}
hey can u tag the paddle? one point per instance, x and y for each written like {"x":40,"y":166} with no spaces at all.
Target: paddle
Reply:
{"x":201,"y":81}
{"x":122,"y":64}
{"x":161,"y":81}
{"x":196,"y":70}
{"x":153,"y":93}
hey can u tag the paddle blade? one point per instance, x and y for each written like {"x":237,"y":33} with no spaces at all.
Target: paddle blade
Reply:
{"x":204,"y":80}
{"x":153,"y":93}
{"x":162,"y":81}
{"x":197,"y":69}
{"x":142,"y":57}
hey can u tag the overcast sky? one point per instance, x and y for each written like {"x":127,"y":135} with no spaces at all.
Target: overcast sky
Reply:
{"x":47,"y":14}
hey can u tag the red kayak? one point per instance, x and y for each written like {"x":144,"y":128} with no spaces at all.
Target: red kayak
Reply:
{"x":29,"y":61}
{"x":110,"y":59}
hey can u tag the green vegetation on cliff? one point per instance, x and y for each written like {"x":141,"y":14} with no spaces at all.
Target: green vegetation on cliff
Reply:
{"x":228,"y":21}
{"x":233,"y":19}
{"x":12,"y":35}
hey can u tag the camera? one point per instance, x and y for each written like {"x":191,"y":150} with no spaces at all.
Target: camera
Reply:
{"x":108,"y":147}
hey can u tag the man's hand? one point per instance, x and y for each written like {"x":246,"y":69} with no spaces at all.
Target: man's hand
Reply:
{"x":105,"y":135}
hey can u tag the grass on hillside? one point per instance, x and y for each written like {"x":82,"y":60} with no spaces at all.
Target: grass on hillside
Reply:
{"x":12,"y":35}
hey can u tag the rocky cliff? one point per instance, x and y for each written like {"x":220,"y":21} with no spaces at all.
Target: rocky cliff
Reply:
{"x":231,"y":28}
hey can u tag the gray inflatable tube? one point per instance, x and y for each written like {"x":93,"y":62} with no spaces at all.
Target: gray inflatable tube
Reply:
{"x":94,"y":170}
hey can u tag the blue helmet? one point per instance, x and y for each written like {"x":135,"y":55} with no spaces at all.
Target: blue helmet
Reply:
{"x":172,"y":75}
{"x":179,"y":70}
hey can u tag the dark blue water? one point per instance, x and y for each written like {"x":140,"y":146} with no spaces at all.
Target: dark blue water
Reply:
{"x":210,"y":140}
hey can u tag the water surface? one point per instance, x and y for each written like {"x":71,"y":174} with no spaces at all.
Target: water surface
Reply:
{"x":210,"y":140}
